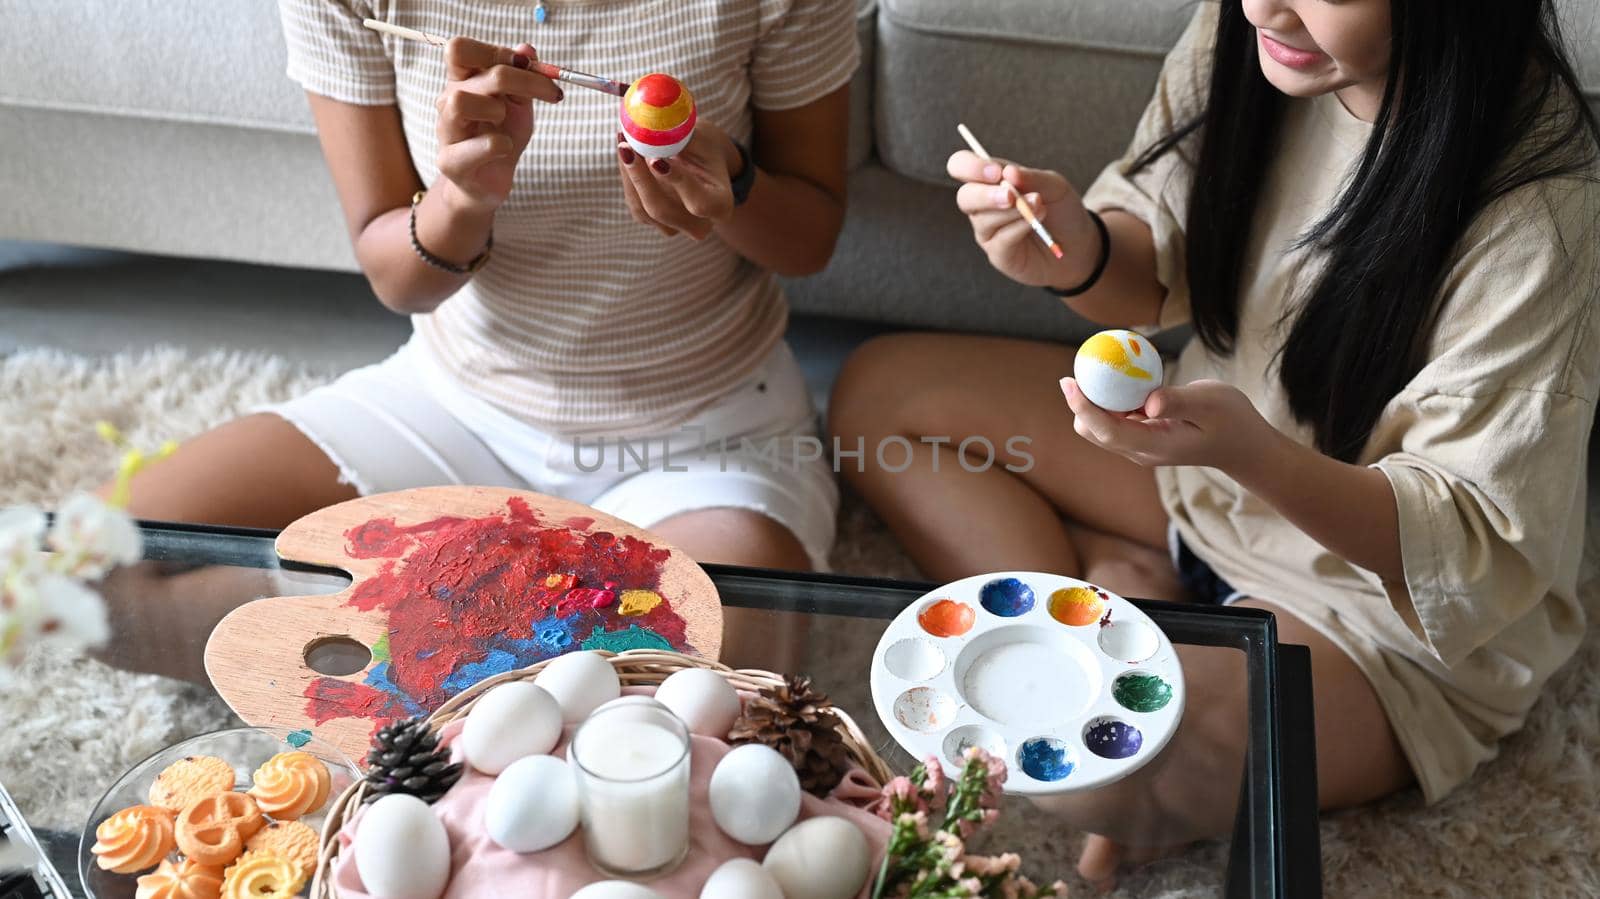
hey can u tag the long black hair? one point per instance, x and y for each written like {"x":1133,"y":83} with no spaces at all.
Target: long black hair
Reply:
{"x":1469,"y":80}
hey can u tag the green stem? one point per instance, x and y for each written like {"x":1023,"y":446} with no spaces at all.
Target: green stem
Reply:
{"x":883,"y":875}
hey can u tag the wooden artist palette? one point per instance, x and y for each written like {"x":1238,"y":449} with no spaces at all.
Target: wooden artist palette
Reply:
{"x":1029,"y":667}
{"x":452,"y":585}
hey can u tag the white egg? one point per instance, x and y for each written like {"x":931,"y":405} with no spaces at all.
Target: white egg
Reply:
{"x":581,"y":682}
{"x":820,"y":858}
{"x":510,"y":722}
{"x":616,"y":889}
{"x":741,"y":878}
{"x":703,"y":700}
{"x":402,"y":851}
{"x":755,"y":794}
{"x":1116,"y":370}
{"x":532,"y":805}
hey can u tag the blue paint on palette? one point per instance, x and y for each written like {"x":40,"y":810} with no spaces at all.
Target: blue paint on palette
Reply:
{"x":1112,"y":739}
{"x":298,"y":738}
{"x":1006,"y":597}
{"x":495,"y":661}
{"x":1046,"y":759}
{"x":378,"y":679}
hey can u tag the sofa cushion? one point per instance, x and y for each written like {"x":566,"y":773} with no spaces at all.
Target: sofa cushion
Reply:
{"x":1057,"y":84}
{"x":207,"y":62}
{"x":181,"y":61}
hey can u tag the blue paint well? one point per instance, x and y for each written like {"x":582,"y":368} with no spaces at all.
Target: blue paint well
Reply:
{"x":1006,"y":597}
{"x":1112,"y":739}
{"x":1046,"y":759}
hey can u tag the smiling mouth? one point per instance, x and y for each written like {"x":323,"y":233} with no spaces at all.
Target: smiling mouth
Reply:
{"x":1293,"y":57}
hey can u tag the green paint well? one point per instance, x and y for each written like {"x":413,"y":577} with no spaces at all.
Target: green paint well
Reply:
{"x":635,"y":637}
{"x":1142,"y":692}
{"x":380,"y":649}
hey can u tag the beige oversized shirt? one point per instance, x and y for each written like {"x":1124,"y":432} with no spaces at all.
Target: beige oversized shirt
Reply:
{"x":586,"y":322}
{"x":1484,"y":449}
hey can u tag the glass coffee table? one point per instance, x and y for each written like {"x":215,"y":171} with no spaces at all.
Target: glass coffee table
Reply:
{"x":832,"y":622}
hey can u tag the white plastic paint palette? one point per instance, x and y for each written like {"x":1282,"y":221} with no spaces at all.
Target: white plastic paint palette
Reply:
{"x":1070,"y":684}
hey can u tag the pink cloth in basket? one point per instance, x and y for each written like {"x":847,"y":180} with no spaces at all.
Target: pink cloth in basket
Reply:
{"x":480,"y":869}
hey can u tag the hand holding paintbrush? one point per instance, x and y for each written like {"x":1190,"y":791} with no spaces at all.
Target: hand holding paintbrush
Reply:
{"x":582,"y":79}
{"x":1019,"y":200}
{"x":1008,"y":206}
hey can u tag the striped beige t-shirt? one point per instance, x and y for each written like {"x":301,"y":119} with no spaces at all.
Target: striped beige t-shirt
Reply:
{"x":584,"y":321}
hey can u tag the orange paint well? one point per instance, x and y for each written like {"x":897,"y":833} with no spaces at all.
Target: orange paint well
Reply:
{"x":1076,"y":606}
{"x":947,"y":618}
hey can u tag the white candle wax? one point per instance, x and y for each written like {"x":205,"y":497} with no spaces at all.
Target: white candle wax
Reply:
{"x":634,"y":781}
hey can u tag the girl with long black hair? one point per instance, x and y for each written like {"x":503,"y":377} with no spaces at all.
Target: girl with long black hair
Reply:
{"x":1382,"y":219}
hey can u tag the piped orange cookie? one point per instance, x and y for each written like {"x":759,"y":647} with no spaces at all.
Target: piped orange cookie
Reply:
{"x":187,"y":879}
{"x":262,"y":875}
{"x":291,"y":784}
{"x":292,"y":840}
{"x":133,"y":840}
{"x":212,"y":830}
{"x":188,"y":779}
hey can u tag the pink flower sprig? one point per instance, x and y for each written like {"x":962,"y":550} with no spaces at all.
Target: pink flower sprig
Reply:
{"x":927,"y":862}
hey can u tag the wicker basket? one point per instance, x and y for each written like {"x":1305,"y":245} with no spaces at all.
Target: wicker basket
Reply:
{"x":635,"y":668}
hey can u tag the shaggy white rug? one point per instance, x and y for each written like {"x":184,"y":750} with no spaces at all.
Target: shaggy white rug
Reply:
{"x":1527,"y":826}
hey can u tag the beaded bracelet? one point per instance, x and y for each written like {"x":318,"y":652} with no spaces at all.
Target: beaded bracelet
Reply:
{"x":478,"y":262}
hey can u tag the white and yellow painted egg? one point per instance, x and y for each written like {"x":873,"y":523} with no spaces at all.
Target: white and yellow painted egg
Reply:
{"x":1117,"y":370}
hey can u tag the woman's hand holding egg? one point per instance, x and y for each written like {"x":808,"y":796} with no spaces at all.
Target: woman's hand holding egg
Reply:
{"x":1205,"y":423}
{"x":1007,"y":238}
{"x":691,"y":192}
{"x":486,"y":119}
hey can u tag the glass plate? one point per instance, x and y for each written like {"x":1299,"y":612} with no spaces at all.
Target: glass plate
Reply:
{"x":245,"y":748}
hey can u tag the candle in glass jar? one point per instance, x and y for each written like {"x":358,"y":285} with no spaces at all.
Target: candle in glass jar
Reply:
{"x":633,"y":779}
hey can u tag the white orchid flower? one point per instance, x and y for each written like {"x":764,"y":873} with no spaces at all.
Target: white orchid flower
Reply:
{"x":21,"y":529}
{"x":90,"y":538}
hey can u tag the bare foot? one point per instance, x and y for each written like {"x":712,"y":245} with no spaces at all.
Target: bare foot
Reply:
{"x":1100,"y":859}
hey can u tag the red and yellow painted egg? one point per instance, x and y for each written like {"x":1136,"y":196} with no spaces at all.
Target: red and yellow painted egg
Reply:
{"x":657,"y":116}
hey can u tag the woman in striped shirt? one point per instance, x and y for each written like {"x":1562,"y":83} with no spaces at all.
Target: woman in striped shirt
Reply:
{"x":619,"y":341}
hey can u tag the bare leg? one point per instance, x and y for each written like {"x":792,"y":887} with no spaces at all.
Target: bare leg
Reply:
{"x":258,"y":471}
{"x":952,"y":521}
{"x":730,"y":536}
{"x":752,"y":638}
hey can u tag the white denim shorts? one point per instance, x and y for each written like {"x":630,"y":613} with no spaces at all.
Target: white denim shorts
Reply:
{"x":404,"y":423}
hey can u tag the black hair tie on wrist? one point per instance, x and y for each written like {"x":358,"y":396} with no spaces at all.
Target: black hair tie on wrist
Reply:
{"x":1099,"y":267}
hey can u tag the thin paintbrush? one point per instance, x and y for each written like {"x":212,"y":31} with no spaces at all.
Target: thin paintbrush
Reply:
{"x":1016,"y":195}
{"x":582,"y":79}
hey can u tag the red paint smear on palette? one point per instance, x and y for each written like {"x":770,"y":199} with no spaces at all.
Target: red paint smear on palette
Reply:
{"x":468,"y":598}
{"x":334,"y":698}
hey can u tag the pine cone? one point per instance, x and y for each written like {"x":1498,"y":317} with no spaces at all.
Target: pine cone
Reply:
{"x":406,"y":758}
{"x":799,"y":723}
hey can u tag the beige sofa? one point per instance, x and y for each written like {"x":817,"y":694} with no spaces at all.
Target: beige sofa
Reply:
{"x":170,"y":128}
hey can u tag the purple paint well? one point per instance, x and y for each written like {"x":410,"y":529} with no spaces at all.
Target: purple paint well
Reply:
{"x":1006,"y":597}
{"x":1112,"y":739}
